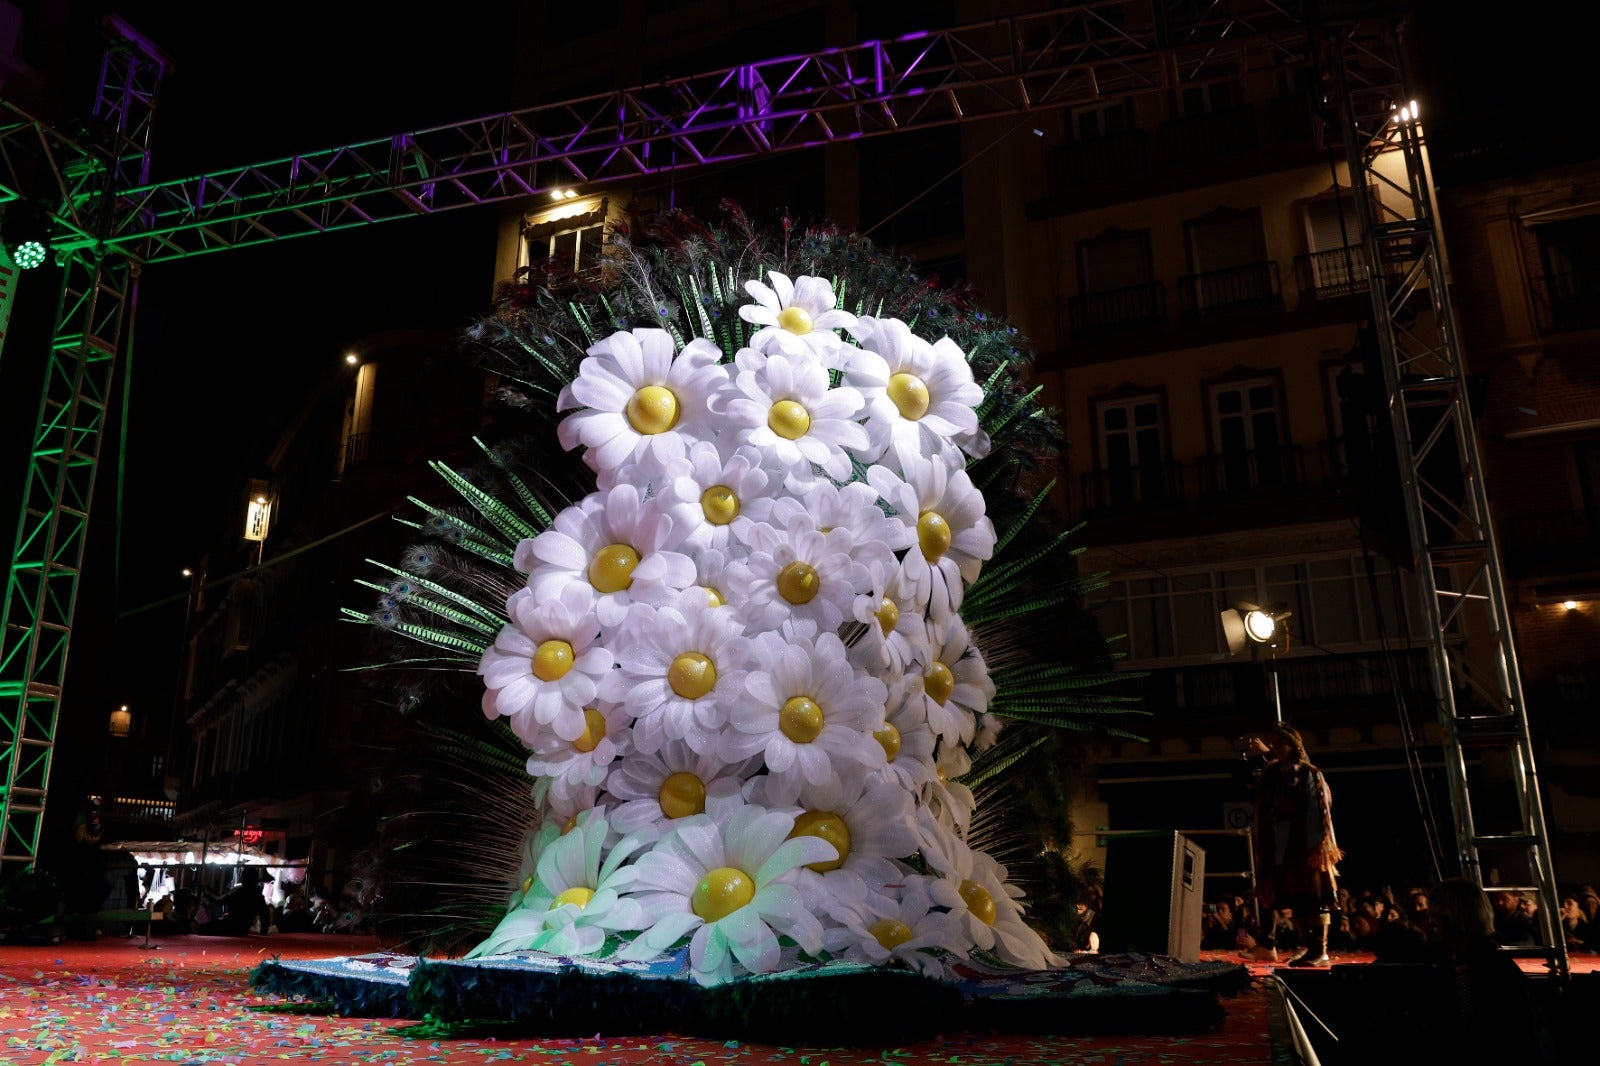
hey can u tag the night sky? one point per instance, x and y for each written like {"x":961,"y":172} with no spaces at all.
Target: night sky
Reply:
{"x":225,"y":344}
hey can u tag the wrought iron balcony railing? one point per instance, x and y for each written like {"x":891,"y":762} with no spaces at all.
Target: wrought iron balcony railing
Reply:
{"x":1333,"y":273}
{"x":1095,"y":314}
{"x":1145,"y":486}
{"x":1232,"y":473}
{"x":1240,"y":288}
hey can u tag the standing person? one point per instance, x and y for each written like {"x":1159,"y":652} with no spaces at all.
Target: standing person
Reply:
{"x":1296,"y":851}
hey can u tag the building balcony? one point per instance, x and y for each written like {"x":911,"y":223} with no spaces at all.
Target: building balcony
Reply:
{"x":1567,"y":301}
{"x":1234,"y":694}
{"x":1209,"y":135}
{"x":1143,"y":487}
{"x":1256,"y":470}
{"x":1254,"y":286}
{"x":1109,"y":158}
{"x":1334,"y":273}
{"x":1095,"y":314}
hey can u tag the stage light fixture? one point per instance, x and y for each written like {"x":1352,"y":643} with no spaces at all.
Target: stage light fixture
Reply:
{"x":1261,"y":630}
{"x":26,"y":232}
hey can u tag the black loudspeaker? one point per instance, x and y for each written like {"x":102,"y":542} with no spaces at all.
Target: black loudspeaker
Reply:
{"x":1154,"y":885}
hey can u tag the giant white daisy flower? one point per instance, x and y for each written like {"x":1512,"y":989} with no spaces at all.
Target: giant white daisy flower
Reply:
{"x":640,"y":402}
{"x":618,"y":545}
{"x":868,"y":820}
{"x":586,"y":759}
{"x":730,"y":887}
{"x":681,"y":668}
{"x":907,"y":742}
{"x":980,"y":897}
{"x":574,"y":899}
{"x":786,"y":409}
{"x":853,"y":508}
{"x":796,"y":575}
{"x":652,"y":788}
{"x":809,"y":715}
{"x":920,"y":397}
{"x":943,"y":794}
{"x":545,"y":667}
{"x":708,"y":494}
{"x":905,"y":924}
{"x":792,"y":314}
{"x":896,"y":634}
{"x":952,"y":535}
{"x":955,"y":681}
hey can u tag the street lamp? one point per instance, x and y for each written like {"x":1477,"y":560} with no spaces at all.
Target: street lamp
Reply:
{"x":121,"y":721}
{"x":1264,"y":631}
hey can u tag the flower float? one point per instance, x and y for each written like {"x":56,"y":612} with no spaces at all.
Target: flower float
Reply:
{"x":746,"y":661}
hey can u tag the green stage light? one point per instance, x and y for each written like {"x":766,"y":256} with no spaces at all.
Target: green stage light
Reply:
{"x":30,"y":254}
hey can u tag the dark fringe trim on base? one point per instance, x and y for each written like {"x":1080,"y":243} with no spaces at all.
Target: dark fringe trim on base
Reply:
{"x":890,"y":1004}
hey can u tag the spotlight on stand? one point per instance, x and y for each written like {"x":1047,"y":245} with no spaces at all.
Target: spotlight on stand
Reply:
{"x":26,"y":233}
{"x":1264,"y":631}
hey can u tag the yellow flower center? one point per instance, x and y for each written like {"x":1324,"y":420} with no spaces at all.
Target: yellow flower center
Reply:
{"x":933,"y":534}
{"x":888,"y":615}
{"x":569,"y":825}
{"x":939,"y":682}
{"x":799,"y":582}
{"x":652,"y":410}
{"x":789,"y":420}
{"x":890,"y":932}
{"x":692,"y":675}
{"x":580,"y":896}
{"x":889,"y":738}
{"x":829,"y":827}
{"x":909,"y":394}
{"x":611,"y":569}
{"x":681,"y":795}
{"x":552,"y":660}
{"x":800,"y":720}
{"x":713,"y":597}
{"x":721,"y":892}
{"x":527,"y":884}
{"x":720,"y":505}
{"x":594,"y":731}
{"x":978,"y":901}
{"x":796,"y":320}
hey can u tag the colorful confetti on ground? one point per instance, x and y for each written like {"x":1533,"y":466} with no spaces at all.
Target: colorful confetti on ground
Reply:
{"x":187,"y":1000}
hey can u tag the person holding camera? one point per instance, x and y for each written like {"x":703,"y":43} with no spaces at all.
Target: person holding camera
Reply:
{"x":1296,"y":853}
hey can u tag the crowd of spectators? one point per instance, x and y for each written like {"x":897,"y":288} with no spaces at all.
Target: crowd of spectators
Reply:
{"x":1395,"y":924}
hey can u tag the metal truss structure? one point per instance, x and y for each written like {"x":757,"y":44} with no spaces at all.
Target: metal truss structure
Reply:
{"x":1476,"y":682}
{"x":97,"y":298}
{"x":1079,"y":54}
{"x":110,"y":221}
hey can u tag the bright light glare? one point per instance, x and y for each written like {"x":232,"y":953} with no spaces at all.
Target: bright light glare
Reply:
{"x":261,"y":499}
{"x":1571,"y":605}
{"x":29,"y":255}
{"x":1260,"y":626}
{"x":187,"y":572}
{"x":352,"y":358}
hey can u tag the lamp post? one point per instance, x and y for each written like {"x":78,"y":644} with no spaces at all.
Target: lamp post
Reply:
{"x":1264,"y":631}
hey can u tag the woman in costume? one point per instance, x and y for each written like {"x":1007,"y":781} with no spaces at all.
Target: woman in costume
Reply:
{"x":1295,"y":847}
